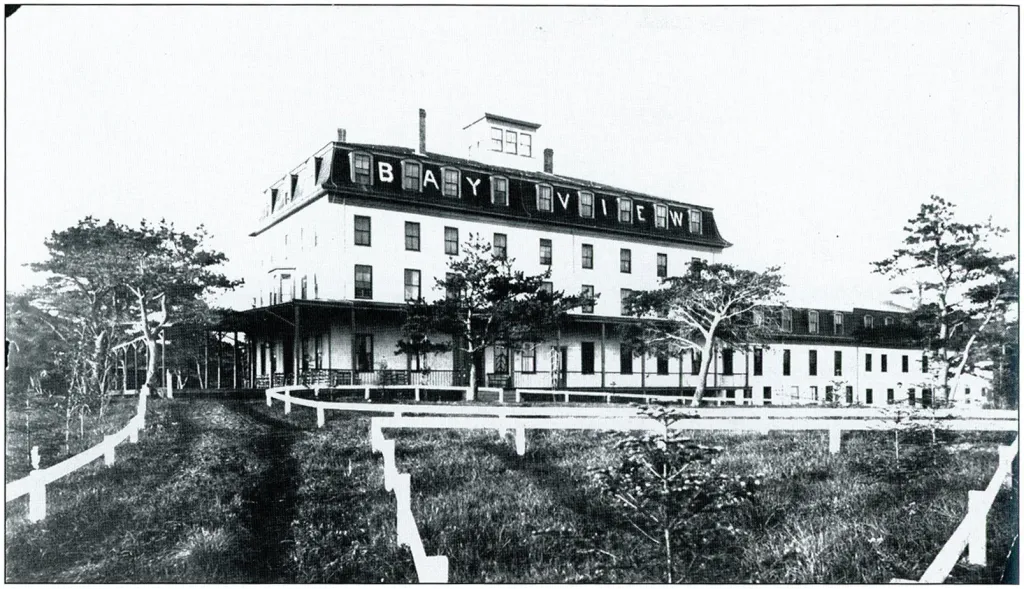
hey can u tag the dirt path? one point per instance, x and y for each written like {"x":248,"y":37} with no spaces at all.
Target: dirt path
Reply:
{"x":270,"y":504}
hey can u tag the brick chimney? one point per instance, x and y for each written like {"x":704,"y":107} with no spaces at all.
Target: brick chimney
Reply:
{"x":341,"y":135}
{"x":423,"y":131}
{"x":549,"y":164}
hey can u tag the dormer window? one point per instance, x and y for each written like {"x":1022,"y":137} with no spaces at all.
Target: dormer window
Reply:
{"x":499,"y":191}
{"x":887,"y":320}
{"x":511,"y":142}
{"x":451,"y":178}
{"x":695,"y":222}
{"x":496,"y":139}
{"x":869,"y":321}
{"x":812,"y":322}
{"x":837,"y":323}
{"x":411,"y":176}
{"x":525,"y":145}
{"x":545,"y":200}
{"x":295,"y":182}
{"x":317,"y":165}
{"x":625,"y":210}
{"x":586,"y":204}
{"x":361,"y":164}
{"x":787,"y":320}
{"x":661,"y":216}
{"x":273,"y":200}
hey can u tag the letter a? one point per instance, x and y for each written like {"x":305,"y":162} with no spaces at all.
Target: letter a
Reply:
{"x":384,"y":172}
{"x":428,"y":176}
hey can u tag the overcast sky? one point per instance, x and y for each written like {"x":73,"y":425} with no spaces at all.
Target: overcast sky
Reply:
{"x":813,"y":132}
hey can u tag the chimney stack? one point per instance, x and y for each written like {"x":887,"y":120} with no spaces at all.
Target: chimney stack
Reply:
{"x":423,"y":131}
{"x":341,"y":135}
{"x":549,"y":164}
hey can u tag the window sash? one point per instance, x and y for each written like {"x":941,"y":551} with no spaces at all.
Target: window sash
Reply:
{"x":411,"y":176}
{"x":450,"y":182}
{"x":363,"y":282}
{"x":412,"y":285}
{"x":812,"y":322}
{"x":499,"y":191}
{"x":412,"y":236}
{"x":588,"y":291}
{"x":838,"y":361}
{"x":364,"y":352}
{"x":695,"y":222}
{"x":660,"y":216}
{"x":812,"y":363}
{"x":787,"y":320}
{"x":500,"y":247}
{"x":528,"y":359}
{"x":625,"y":210}
{"x":362,"y":230}
{"x":545,"y":252}
{"x":451,"y":241}
{"x":786,"y":362}
{"x":586,"y":205}
{"x":511,"y":142}
{"x":587,"y":256}
{"x":625,"y":261}
{"x":497,"y":136}
{"x":361,"y":164}
{"x":623,"y":295}
{"x":545,"y":198}
{"x":662,"y":265}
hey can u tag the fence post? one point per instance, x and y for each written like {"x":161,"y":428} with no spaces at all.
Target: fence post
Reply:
{"x":388,"y":450}
{"x":501,"y":395}
{"x":316,"y":392}
{"x":608,"y":398}
{"x":366,"y":394}
{"x":108,"y":454}
{"x":519,"y":396}
{"x":320,"y":417}
{"x":416,"y":394}
{"x":520,"y":439}
{"x":37,"y":497}
{"x":403,"y":523}
{"x":566,"y":396}
{"x":435,"y":570}
{"x":835,"y":437}
{"x":976,"y":538}
{"x":269,"y":402}
{"x":169,"y":384}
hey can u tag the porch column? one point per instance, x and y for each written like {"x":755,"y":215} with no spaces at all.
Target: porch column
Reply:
{"x":135,"y":366}
{"x":234,"y":364}
{"x":296,"y":344}
{"x":220,"y":341}
{"x":643,"y":370}
{"x":602,"y":354}
{"x":681,"y":353}
{"x":124,"y":369}
{"x":163,"y":355}
{"x":206,"y":359}
{"x":352,"y":341}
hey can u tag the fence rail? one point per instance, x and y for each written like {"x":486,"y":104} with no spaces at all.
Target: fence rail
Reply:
{"x":34,"y":485}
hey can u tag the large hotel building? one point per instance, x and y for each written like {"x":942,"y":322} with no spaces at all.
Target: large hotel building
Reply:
{"x":356,"y":230}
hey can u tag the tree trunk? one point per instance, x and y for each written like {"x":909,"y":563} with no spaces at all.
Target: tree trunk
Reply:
{"x":705,"y":363}
{"x":471,"y":391}
{"x":151,"y":380}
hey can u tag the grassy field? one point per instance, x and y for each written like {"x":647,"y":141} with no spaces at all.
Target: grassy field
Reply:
{"x":238,"y":492}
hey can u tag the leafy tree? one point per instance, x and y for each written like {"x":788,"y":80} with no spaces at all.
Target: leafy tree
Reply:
{"x":964,"y":289}
{"x":710,"y":303}
{"x":669,"y":488}
{"x":486,"y":302}
{"x":140,"y":280}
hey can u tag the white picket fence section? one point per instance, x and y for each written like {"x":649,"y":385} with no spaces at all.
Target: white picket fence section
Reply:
{"x":417,"y":389}
{"x":34,"y":485}
{"x":429,"y":569}
{"x":971,"y":535}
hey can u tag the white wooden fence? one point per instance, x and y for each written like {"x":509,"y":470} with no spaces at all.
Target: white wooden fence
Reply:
{"x":34,"y":485}
{"x":971,"y":534}
{"x":417,"y":389}
{"x":429,"y":569}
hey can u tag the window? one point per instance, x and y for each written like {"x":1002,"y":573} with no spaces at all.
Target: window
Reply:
{"x":450,"y":184}
{"x":924,"y":362}
{"x":451,"y":286}
{"x":625,"y":261}
{"x":868,"y":396}
{"x":662,"y":265}
{"x":500,"y":248}
{"x":496,"y":142}
{"x":499,"y":191}
{"x":451,"y":241}
{"x":695,"y":220}
{"x":362,"y":230}
{"x":837,"y":324}
{"x":545,"y":252}
{"x":302,"y":288}
{"x":748,"y":393}
{"x":785,"y":362}
{"x":758,"y":317}
{"x":361,"y":164}
{"x":547,"y":287}
{"x":887,"y":321}
{"x":662,"y":367}
{"x":849,"y":395}
{"x":411,"y":176}
{"x":890,"y":396}
{"x":869,"y":321}
{"x":885,"y":362}
{"x":766,"y":394}
{"x":588,"y":256}
{"x":838,"y":360}
{"x":906,"y":363}
{"x":528,"y":359}
{"x":625,"y":294}
{"x":695,"y":359}
{"x":511,"y":142}
{"x":588,"y":293}
{"x":787,"y":320}
{"x":812,"y":362}
{"x":586,"y":204}
{"x":500,"y":359}
{"x":829,"y":393}
{"x":814,"y":393}
{"x":726,"y":361}
{"x":412,"y":285}
{"x":525,"y":145}
{"x":412,"y":236}
{"x":911,"y":397}
{"x":625,"y":210}
{"x":660,"y":216}
{"x":545,"y":199}
{"x":625,"y":359}
{"x":364,"y":282}
{"x":867,"y":362}
{"x":812,"y":322}
{"x":364,"y":352}
{"x":758,"y":362}
{"x":587,"y":357}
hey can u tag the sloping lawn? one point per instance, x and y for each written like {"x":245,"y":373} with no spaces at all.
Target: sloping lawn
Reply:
{"x":234,"y":491}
